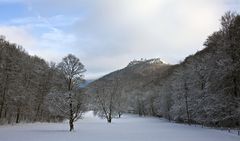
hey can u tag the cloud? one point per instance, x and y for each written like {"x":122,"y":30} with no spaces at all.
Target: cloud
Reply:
{"x":18,"y":35}
{"x":107,"y":34}
{"x":40,"y":35}
{"x":170,"y":29}
{"x":55,"y":44}
{"x":38,"y":21}
{"x":51,"y":45}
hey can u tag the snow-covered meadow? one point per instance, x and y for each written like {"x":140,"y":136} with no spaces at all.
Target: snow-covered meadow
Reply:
{"x":127,"y":128}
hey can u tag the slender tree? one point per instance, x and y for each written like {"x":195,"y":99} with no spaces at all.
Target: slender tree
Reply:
{"x":72,"y":70}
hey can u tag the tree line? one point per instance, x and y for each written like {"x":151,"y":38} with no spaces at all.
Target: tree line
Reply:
{"x":33,"y":90}
{"x":203,"y":89}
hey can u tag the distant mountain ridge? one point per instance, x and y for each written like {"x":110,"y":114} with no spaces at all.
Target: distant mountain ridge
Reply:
{"x":126,"y":87}
{"x":136,"y":73}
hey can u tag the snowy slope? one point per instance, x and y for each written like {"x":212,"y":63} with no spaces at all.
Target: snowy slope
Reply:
{"x":128,"y":128}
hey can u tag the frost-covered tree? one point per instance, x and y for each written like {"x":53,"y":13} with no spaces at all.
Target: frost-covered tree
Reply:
{"x":107,"y":99}
{"x":67,"y":101}
{"x":212,"y":80}
{"x":24,"y":84}
{"x":28,"y":83}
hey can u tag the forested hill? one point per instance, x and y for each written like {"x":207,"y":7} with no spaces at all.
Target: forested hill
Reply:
{"x":203,"y":89}
{"x":141,"y":71}
{"x":33,"y":90}
{"x":25,"y":81}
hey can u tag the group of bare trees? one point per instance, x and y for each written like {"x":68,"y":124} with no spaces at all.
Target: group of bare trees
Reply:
{"x":106,"y":98}
{"x":205,"y":87}
{"x":33,"y":90}
{"x":24,"y":84}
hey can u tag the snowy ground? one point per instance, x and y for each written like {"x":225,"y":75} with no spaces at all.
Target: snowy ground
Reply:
{"x":128,"y":128}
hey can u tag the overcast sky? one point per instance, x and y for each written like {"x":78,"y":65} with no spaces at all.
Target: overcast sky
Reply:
{"x":107,"y":34}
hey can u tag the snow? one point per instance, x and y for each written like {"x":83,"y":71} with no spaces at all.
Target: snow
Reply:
{"x":128,"y":128}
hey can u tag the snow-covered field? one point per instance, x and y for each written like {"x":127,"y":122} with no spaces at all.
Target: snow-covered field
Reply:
{"x":128,"y":128}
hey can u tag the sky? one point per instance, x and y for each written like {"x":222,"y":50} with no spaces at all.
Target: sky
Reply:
{"x":107,"y":34}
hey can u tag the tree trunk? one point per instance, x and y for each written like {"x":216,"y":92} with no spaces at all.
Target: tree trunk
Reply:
{"x":119,"y":114}
{"x":71,"y":113}
{"x":37,"y":112}
{"x":235,"y":92}
{"x":71,"y":119}
{"x":109,"y":120}
{"x":4,"y":96}
{"x":152,"y":107}
{"x":10,"y":118}
{"x":2,"y":104}
{"x":71,"y":125}
{"x":18,"y":115}
{"x":6,"y":111}
{"x":186,"y":102}
{"x":188,"y":116}
{"x":109,"y":117}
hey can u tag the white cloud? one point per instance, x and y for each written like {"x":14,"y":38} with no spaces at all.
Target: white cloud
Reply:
{"x":39,"y":21}
{"x":18,"y":35}
{"x":55,"y":44}
{"x":107,"y":34}
{"x":138,"y":28}
{"x":39,"y":37}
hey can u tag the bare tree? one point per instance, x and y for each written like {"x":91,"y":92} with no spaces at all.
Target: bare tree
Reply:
{"x":106,"y":97}
{"x":72,"y":70}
